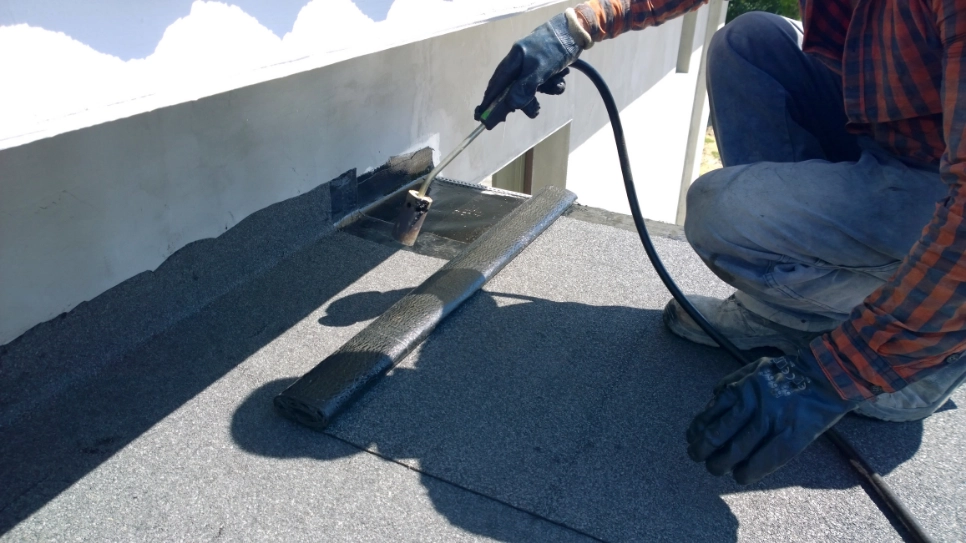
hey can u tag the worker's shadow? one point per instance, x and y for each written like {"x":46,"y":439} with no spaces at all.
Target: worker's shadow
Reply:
{"x":573,"y":412}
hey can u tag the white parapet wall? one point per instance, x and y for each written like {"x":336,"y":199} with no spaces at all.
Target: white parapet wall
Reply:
{"x":655,"y":82}
{"x":128,"y":133}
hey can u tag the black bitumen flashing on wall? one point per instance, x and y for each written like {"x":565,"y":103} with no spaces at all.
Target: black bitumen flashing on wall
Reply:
{"x":350,"y":193}
{"x":461,"y":213}
{"x":46,"y":359}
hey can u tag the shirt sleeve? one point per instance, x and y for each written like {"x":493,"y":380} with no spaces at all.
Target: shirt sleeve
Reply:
{"x":906,"y":329}
{"x":605,"y":19}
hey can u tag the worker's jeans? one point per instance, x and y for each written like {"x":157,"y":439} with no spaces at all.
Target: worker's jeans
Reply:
{"x":805,"y":219}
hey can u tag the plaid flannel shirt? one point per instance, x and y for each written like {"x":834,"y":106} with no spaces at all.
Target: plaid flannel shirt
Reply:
{"x":903,"y":68}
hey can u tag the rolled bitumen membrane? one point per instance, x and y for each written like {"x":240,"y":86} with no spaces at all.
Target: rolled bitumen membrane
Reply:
{"x":317,"y":397}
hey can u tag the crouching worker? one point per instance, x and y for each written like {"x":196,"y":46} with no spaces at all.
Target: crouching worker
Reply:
{"x":838,"y":215}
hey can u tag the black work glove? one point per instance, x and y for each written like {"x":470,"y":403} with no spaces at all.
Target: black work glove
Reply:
{"x":763,"y":415}
{"x":538,"y":62}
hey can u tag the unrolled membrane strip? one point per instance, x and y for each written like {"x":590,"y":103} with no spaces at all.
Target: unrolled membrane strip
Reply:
{"x":317,"y":397}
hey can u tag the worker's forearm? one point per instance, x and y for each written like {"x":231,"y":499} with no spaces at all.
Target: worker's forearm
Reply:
{"x":605,"y":19}
{"x":906,"y":329}
{"x":909,"y":326}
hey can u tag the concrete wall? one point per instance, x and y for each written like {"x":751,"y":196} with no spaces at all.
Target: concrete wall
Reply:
{"x":87,"y":209}
{"x":657,"y":102}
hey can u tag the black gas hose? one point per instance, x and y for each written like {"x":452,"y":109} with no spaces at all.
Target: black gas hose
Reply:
{"x":915,"y":530}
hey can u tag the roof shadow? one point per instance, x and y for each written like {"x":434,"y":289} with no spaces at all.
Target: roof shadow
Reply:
{"x":61,"y":440}
{"x":575,"y":413}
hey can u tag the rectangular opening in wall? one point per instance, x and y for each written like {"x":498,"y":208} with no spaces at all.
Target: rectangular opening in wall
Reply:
{"x":542,"y":165}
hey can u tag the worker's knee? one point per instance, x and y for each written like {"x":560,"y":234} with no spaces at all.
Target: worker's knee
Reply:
{"x":747,"y":37}
{"x":712,"y":221}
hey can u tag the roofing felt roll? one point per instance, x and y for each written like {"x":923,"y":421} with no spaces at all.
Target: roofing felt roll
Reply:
{"x":317,"y":397}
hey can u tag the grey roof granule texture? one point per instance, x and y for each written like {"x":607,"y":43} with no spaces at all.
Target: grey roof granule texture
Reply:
{"x":559,"y":390}
{"x":555,"y":398}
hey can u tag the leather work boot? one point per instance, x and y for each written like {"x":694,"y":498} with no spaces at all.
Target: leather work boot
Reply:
{"x":920,"y":399}
{"x":744,"y":328}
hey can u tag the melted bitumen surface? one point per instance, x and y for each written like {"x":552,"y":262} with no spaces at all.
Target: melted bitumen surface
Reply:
{"x":459,"y":214}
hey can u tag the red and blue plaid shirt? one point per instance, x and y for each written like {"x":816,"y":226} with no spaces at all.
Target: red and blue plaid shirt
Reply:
{"x":903,"y":68}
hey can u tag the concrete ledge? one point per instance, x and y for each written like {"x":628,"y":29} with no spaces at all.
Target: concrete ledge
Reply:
{"x":624,"y":222}
{"x":350,"y":193}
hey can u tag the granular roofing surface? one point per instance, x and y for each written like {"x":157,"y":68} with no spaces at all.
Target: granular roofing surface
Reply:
{"x":550,"y":407}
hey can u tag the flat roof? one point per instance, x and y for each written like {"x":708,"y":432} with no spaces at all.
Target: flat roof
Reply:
{"x":551,"y":406}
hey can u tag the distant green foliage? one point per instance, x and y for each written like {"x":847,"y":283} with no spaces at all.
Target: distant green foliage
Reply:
{"x":788,"y":8}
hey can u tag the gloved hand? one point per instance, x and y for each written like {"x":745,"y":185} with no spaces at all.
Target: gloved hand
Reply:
{"x":763,"y":415}
{"x":537,"y":62}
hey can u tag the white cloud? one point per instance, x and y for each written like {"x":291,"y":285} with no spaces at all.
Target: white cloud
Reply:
{"x":53,"y":76}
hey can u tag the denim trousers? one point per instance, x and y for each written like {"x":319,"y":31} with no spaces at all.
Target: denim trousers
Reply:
{"x":805,"y":220}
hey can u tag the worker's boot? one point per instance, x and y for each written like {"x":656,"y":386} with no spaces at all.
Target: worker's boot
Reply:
{"x":744,"y":328}
{"x":747,"y":331}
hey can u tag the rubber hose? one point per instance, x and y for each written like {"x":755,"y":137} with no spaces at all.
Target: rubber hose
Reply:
{"x":916,"y":531}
